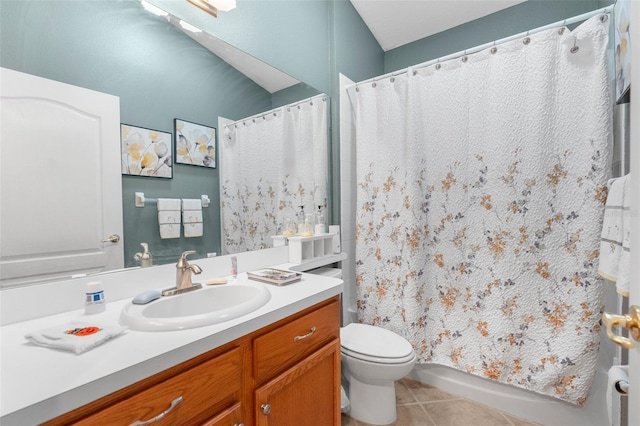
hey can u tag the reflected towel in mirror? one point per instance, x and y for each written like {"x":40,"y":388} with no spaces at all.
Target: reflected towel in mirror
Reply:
{"x":192,"y":217}
{"x":169,"y":217}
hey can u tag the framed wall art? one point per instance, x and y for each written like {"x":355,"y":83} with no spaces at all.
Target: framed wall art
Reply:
{"x":195,"y":144}
{"x":146,"y":152}
{"x":622,"y":49}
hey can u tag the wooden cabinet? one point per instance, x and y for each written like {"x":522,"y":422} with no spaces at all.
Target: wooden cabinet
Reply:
{"x":305,"y":394}
{"x":189,"y":398}
{"x":297,"y":369}
{"x":287,"y":373}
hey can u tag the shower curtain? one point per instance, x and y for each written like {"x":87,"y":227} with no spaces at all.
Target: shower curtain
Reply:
{"x":481,"y":186}
{"x":269,"y":166}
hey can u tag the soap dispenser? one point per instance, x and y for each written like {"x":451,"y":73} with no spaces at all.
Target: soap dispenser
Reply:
{"x":300,"y":219}
{"x":320,"y":223}
{"x":307,"y":227}
{"x":144,"y":258}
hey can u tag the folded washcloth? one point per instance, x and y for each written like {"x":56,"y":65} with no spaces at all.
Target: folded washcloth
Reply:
{"x":75,"y":337}
{"x":169,"y":217}
{"x":616,"y":228}
{"x":168,"y":204}
{"x":191,"y":204}
{"x":193,"y":230}
{"x":192,"y":217}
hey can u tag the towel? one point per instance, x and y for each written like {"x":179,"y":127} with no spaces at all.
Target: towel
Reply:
{"x":169,"y":217}
{"x":192,"y":217}
{"x":615,"y":254}
{"x":76,"y":337}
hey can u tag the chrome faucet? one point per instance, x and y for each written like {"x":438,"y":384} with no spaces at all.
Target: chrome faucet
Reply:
{"x":183,"y":276}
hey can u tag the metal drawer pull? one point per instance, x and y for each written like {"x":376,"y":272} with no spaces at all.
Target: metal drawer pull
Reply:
{"x":160,"y":416}
{"x":239,"y":424}
{"x":266,"y":409}
{"x":313,"y":330}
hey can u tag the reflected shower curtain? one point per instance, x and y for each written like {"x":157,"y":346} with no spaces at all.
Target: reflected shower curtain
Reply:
{"x":268,"y":168}
{"x":481,"y":187}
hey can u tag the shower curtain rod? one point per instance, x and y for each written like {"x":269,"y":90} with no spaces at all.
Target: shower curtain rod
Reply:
{"x":568,"y":21}
{"x":264,"y":114}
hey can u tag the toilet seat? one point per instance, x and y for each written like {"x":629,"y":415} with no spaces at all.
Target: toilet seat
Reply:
{"x":375,"y":344}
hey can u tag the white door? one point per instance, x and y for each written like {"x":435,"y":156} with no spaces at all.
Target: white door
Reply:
{"x":60,"y":180}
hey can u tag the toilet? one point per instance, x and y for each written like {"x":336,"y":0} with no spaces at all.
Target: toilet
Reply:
{"x":373,"y":358}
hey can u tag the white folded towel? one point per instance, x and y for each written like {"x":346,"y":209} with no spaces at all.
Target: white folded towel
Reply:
{"x":192,"y":217}
{"x":169,"y":204}
{"x":169,"y":217}
{"x":614,"y":259}
{"x":76,"y":337}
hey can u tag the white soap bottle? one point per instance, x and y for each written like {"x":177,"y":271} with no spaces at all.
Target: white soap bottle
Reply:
{"x":94,"y":302}
{"x":320,"y":227}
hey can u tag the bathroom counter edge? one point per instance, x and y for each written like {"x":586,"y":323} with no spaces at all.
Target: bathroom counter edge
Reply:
{"x":128,"y":358}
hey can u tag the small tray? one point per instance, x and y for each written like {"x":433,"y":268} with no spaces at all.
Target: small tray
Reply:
{"x":274,"y":276}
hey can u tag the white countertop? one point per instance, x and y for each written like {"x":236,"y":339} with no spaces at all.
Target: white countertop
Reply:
{"x":40,"y":383}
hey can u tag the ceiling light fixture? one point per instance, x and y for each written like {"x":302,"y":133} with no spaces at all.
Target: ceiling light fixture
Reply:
{"x":153,"y":9}
{"x":187,"y":26}
{"x":213,"y":6}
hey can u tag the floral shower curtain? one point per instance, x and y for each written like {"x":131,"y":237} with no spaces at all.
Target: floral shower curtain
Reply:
{"x":481,"y":186}
{"x":269,"y":166}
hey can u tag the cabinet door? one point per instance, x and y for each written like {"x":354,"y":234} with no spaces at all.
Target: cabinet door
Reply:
{"x":306,"y":394}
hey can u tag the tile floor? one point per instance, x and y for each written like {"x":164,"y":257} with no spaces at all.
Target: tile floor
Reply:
{"x":424,"y":405}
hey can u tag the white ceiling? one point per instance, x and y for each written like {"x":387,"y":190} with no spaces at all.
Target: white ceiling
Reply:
{"x":397,"y":22}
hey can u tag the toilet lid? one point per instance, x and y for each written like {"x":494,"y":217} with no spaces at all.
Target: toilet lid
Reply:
{"x":375,"y":344}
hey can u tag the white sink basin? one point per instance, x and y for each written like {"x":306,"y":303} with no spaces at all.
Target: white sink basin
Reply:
{"x":206,"y":306}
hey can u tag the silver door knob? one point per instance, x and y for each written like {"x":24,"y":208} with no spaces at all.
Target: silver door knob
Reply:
{"x":113,"y":238}
{"x":266,"y":409}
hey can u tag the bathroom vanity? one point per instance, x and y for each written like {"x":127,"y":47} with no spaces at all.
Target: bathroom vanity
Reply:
{"x":278,"y":365}
{"x":287,"y":373}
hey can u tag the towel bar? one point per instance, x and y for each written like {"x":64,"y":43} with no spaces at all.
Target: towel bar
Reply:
{"x":140,"y":200}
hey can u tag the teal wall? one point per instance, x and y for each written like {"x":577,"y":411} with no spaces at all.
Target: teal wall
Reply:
{"x":159,"y":74}
{"x":291,"y":35}
{"x":516,"y":19}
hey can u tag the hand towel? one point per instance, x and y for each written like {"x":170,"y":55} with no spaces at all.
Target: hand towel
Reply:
{"x":192,"y":217}
{"x":169,"y":217}
{"x":76,"y":337}
{"x":615,"y":238}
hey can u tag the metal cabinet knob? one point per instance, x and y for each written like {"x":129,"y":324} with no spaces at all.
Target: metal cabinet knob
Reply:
{"x":631,"y":321}
{"x":266,"y":409}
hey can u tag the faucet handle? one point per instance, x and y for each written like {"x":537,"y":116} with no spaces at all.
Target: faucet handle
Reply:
{"x":182,"y":263}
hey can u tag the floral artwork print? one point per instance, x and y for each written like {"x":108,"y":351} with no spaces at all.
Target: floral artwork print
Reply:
{"x":477,"y":234}
{"x":195,"y":144}
{"x":146,"y":152}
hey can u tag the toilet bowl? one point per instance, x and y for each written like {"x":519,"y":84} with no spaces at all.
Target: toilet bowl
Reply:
{"x":373,"y":358}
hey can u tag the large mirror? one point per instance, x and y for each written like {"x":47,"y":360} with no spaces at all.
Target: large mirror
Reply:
{"x":160,"y":72}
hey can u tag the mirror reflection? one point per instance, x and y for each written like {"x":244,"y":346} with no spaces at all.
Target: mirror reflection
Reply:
{"x":159,"y":72}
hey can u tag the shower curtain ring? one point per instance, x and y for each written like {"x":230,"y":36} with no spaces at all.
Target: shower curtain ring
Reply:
{"x":494,"y":49}
{"x":575,"y":47}
{"x":464,"y":58}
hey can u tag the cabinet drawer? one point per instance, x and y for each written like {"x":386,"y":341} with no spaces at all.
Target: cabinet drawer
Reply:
{"x":283,"y":347}
{"x":205,"y":390}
